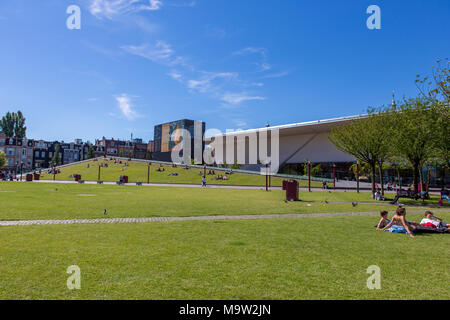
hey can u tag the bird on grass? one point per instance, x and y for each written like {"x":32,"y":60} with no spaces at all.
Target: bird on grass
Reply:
{"x":104,"y":212}
{"x":326,"y":200}
{"x":354,"y":204}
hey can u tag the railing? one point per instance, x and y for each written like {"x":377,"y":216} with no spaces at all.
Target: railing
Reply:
{"x":202,"y":167}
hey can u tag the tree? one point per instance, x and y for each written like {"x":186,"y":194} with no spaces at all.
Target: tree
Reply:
{"x":19,"y":126}
{"x":436,"y":88}
{"x":7,"y":124}
{"x":56,"y":160}
{"x":13,"y":125}
{"x":442,"y":134}
{"x":414,"y":126}
{"x":90,"y":154}
{"x":2,"y":159}
{"x":366,"y":139}
{"x":316,"y":170}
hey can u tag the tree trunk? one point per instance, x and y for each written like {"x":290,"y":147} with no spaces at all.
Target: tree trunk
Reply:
{"x":421,"y":179}
{"x":415,"y":177}
{"x":398,"y":177}
{"x":373,"y":167}
{"x":380,"y":169}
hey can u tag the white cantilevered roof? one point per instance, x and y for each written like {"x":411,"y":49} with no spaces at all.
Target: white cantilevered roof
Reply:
{"x":299,"y":128}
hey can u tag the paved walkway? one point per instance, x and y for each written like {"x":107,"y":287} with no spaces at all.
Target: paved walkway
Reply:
{"x":171,"y":219}
{"x":339,"y":188}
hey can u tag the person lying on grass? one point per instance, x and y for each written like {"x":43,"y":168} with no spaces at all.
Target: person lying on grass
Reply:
{"x":431,"y":220}
{"x":399,"y":222}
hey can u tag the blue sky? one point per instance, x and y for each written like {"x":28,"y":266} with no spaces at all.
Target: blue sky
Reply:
{"x":235,"y":64}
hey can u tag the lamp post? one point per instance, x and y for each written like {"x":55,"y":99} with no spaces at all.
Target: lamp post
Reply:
{"x":267,"y":178}
{"x":99,"y":172}
{"x":21,"y":170}
{"x":334,"y":176}
{"x":357,"y":177}
{"x":148,"y":173}
{"x":309,"y":176}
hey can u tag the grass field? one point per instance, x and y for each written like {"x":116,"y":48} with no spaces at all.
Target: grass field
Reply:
{"x":23,"y":201}
{"x":309,"y":258}
{"x":312,"y":258}
{"x":137,"y":172}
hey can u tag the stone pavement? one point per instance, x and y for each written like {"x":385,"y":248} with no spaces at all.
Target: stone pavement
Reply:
{"x":171,"y":219}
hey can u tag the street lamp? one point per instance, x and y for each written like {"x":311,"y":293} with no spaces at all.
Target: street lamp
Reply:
{"x":357,"y":177}
{"x":334,"y":176}
{"x":309,"y":176}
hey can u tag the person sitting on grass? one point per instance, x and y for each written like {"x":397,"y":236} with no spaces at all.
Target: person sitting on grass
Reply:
{"x":444,"y":195}
{"x":398,"y":224}
{"x":431,"y":220}
{"x":384,"y":221}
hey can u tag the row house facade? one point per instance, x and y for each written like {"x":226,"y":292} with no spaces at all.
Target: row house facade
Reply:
{"x":19,"y":152}
{"x":120,"y":148}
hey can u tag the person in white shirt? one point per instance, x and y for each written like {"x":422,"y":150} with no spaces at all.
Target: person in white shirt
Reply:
{"x":430,"y":218}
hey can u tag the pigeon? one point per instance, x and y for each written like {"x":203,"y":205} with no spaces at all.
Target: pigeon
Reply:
{"x":104,"y":212}
{"x":354,"y":204}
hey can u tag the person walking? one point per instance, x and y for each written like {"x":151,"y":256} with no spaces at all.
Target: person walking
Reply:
{"x":204,"y":182}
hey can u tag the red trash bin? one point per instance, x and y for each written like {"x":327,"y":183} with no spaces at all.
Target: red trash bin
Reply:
{"x":292,"y":190}
{"x":285,"y":182}
{"x":29,"y":177}
{"x":37,"y":176}
{"x":125,"y":179}
{"x":77,"y":177}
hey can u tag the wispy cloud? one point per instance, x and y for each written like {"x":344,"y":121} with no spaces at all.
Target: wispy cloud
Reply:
{"x":237,"y":98}
{"x":125,"y":106}
{"x":263,"y":64}
{"x":207,"y":82}
{"x":226,"y":87}
{"x":276,"y":75}
{"x":161,"y":52}
{"x":112,"y":8}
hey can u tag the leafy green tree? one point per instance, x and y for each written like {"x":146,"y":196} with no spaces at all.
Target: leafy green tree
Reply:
{"x":19,"y":126}
{"x":442,"y":133}
{"x":56,"y":160}
{"x":7,"y":124}
{"x":236,"y":166}
{"x":13,"y":125}
{"x":90,"y":154}
{"x":414,"y":129}
{"x":366,"y":139}
{"x":316,"y":170}
{"x":148,"y":155}
{"x":2,"y":159}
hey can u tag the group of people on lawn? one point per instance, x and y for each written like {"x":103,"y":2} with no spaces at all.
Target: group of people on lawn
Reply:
{"x":399,"y":224}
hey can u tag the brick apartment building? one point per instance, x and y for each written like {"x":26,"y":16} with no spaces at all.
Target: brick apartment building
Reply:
{"x":19,"y":152}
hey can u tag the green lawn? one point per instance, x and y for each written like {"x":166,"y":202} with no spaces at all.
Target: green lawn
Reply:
{"x":137,"y":172}
{"x":312,"y":258}
{"x":22,"y":201}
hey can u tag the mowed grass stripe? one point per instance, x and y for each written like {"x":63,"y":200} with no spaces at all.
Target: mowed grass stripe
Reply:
{"x":321,"y":258}
{"x":43,"y":201}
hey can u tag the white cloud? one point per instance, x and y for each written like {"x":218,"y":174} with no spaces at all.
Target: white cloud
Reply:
{"x":112,"y":8}
{"x":161,"y":53}
{"x":263,"y":65}
{"x":207,"y":82}
{"x":125,"y":106}
{"x":238,"y":98}
{"x":276,"y":75}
